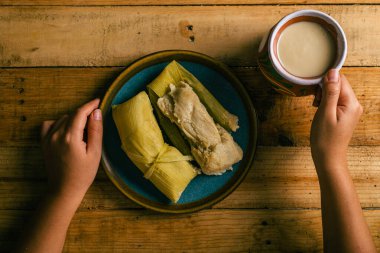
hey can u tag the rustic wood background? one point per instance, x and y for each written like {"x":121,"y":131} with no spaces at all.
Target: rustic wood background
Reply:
{"x":56,"y":55}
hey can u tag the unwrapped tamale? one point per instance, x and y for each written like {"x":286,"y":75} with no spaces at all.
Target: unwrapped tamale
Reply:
{"x":168,"y":127}
{"x":211,"y":145}
{"x":174,"y":73}
{"x":142,"y":141}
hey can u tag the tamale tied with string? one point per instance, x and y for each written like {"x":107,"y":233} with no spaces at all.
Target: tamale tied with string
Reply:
{"x":165,"y":166}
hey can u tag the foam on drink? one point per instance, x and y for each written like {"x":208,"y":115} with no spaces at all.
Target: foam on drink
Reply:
{"x":306,"y":49}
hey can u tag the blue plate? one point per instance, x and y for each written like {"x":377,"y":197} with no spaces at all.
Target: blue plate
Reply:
{"x":203,"y":190}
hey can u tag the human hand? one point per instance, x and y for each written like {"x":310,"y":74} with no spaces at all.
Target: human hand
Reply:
{"x":71,"y":162}
{"x":335,"y":120}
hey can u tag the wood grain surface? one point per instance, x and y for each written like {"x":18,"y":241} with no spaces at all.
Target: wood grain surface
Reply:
{"x":204,"y":231}
{"x":56,"y":55}
{"x":115,"y":36}
{"x":31,"y":95}
{"x":178,"y":2}
{"x":281,"y":177}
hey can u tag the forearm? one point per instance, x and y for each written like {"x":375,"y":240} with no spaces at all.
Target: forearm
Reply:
{"x":71,"y":161}
{"x":47,"y":229}
{"x":344,"y":227}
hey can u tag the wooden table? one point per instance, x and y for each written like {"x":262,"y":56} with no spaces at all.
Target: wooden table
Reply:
{"x":54,"y":56}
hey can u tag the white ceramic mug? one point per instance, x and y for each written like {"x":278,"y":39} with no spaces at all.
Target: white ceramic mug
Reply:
{"x":271,"y":67}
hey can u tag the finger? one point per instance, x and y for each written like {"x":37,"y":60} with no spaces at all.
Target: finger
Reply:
{"x":46,"y":125}
{"x":79,"y":119}
{"x":318,"y":97}
{"x":347,"y":95}
{"x":331,"y":91}
{"x":56,"y":125}
{"x":95,"y":133}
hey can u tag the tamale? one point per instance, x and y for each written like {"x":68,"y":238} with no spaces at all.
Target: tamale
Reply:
{"x":142,"y":141}
{"x":169,"y":128}
{"x":211,"y":145}
{"x":174,"y":73}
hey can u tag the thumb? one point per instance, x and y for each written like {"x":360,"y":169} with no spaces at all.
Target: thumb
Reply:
{"x":95,"y":133}
{"x":331,"y":91}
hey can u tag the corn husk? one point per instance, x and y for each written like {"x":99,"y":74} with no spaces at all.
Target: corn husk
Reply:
{"x":142,"y":141}
{"x":171,"y":130}
{"x":173,"y":74}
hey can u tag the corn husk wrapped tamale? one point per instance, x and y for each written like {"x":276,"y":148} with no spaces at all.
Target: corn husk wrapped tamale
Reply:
{"x":142,"y":141}
{"x":174,"y":73}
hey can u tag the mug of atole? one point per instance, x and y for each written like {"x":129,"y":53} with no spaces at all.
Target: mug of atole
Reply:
{"x":298,"y":51}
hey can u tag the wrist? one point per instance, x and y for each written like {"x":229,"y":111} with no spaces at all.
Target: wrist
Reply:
{"x":71,"y":199}
{"x":331,"y":157}
{"x":330,"y":169}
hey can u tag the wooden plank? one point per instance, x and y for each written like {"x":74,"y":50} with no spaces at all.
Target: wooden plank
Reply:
{"x":287,"y":120}
{"x":284,"y":177}
{"x":20,"y":162}
{"x":206,"y":231}
{"x":26,"y":195}
{"x":175,"y":2}
{"x":281,"y":177}
{"x":98,"y":36}
{"x":31,"y":95}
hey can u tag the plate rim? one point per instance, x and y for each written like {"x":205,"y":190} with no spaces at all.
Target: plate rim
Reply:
{"x":182,"y":55}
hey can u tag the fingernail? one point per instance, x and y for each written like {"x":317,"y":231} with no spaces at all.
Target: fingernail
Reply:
{"x":333,"y":75}
{"x":98,"y":114}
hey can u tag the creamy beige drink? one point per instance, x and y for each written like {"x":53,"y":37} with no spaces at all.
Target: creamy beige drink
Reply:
{"x":306,"y":49}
